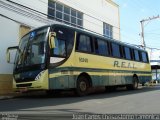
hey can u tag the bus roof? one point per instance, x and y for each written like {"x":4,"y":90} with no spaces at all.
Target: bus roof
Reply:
{"x":92,"y":33}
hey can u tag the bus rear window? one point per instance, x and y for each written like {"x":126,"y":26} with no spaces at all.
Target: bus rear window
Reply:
{"x":144,"y":57}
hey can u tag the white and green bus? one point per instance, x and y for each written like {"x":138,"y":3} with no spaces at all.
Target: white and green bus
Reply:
{"x":60,"y":57}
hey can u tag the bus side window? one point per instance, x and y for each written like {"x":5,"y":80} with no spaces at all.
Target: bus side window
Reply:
{"x":64,"y":41}
{"x":101,"y":47}
{"x":115,"y":50}
{"x":140,"y":56}
{"x":84,"y":43}
{"x":136,"y":55}
{"x":122,"y":52}
{"x":127,"y":52}
{"x":132,"y":54}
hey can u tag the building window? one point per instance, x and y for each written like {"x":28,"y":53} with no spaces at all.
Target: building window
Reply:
{"x":65,"y":14}
{"x":107,"y":30}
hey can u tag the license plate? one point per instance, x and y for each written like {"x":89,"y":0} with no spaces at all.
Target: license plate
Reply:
{"x":23,"y":89}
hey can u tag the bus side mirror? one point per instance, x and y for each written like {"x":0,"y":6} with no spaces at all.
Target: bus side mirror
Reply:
{"x":8,"y":55}
{"x":52,"y":36}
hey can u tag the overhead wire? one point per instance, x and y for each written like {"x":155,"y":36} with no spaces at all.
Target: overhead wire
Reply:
{"x":21,"y":11}
{"x":16,"y":21}
{"x":132,"y":30}
{"x":151,"y":9}
{"x":54,"y":9}
{"x":39,"y":17}
{"x":138,"y":4}
{"x":83,"y":13}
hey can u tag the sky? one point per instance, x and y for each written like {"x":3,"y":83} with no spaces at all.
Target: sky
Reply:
{"x":131,"y":13}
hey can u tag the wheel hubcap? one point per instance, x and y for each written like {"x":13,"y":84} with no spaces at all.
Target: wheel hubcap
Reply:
{"x":83,"y":86}
{"x":135,"y":83}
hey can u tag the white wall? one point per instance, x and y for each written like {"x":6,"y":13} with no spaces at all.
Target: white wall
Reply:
{"x":155,"y":55}
{"x":9,"y":30}
{"x":101,"y":10}
{"x":8,"y":37}
{"x":21,"y":18}
{"x":39,"y":5}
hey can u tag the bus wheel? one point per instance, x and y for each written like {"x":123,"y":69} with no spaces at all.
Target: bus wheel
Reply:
{"x":134,"y":85}
{"x":82,"y":86}
{"x":143,"y":84}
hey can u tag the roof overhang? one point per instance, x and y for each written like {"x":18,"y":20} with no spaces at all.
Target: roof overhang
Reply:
{"x":155,"y":66}
{"x":113,"y":3}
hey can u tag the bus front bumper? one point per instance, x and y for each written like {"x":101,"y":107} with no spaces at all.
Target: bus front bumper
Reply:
{"x":39,"y":84}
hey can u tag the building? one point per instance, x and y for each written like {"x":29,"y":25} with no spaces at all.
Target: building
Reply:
{"x":155,"y":64}
{"x":18,"y":17}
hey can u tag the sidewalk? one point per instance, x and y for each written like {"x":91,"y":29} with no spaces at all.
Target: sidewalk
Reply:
{"x":8,"y":96}
{"x":4,"y":97}
{"x":18,"y":94}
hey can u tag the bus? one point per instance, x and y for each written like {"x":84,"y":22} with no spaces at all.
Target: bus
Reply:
{"x":60,"y":57}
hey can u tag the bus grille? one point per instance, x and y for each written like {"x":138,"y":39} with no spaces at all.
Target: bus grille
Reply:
{"x":24,"y":85}
{"x":24,"y":80}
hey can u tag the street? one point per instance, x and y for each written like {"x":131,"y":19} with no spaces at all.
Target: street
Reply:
{"x":145,"y":100}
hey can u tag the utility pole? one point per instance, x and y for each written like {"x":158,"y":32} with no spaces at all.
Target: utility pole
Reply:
{"x":142,"y":28}
{"x":142,"y":34}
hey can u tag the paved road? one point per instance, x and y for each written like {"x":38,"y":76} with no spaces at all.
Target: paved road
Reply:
{"x":144,"y":100}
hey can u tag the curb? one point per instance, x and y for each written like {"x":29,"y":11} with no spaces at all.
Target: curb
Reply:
{"x":6,"y":97}
{"x":9,"y":96}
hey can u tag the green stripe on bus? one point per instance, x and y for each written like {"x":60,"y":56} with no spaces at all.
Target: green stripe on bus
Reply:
{"x":94,"y":70}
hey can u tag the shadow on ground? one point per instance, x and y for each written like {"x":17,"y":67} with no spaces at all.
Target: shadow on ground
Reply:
{"x":37,"y":100}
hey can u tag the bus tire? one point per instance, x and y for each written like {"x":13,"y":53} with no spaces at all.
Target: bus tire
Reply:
{"x":143,"y":84}
{"x":82,"y":86}
{"x":134,"y":85}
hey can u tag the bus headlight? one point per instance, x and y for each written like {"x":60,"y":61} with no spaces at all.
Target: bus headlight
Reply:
{"x":39,"y":75}
{"x":17,"y":76}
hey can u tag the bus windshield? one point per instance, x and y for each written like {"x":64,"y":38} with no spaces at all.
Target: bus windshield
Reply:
{"x":32,"y":49}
